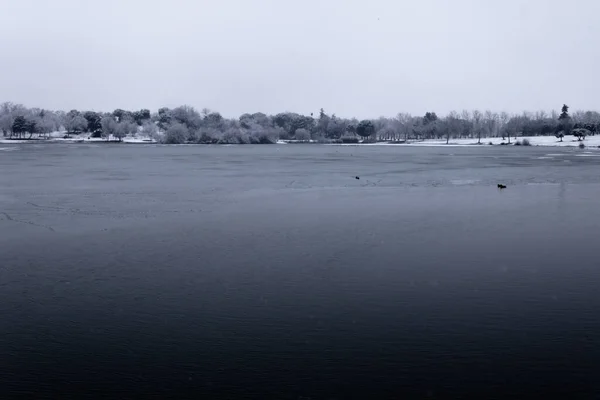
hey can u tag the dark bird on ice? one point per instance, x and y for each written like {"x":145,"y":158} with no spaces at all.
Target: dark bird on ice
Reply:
{"x":501,"y":186}
{"x":356,"y":177}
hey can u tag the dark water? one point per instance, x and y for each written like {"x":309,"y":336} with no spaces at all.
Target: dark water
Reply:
{"x":270,"y":272}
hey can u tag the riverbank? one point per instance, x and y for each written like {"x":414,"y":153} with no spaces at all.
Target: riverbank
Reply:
{"x":547,"y":141}
{"x":76,"y":139}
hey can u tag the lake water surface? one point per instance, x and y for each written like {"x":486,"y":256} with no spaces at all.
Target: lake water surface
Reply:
{"x":271,"y":272}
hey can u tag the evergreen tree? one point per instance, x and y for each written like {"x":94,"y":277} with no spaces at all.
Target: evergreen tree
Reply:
{"x":93,"y":119}
{"x":565,"y":123}
{"x":31,"y":127}
{"x":564,"y":113}
{"x":365,"y":128}
{"x":19,"y":125}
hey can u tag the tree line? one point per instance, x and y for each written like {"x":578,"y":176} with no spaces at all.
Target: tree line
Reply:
{"x":185,"y":124}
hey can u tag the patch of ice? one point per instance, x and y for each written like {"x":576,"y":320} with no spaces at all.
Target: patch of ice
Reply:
{"x":10,"y":141}
{"x":8,"y":148}
{"x":139,"y":139}
{"x":463,"y":181}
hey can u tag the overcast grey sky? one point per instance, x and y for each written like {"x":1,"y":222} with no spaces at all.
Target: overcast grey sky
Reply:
{"x":353,"y":58}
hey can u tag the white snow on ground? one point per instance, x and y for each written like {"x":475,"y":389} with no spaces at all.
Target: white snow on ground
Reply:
{"x":287,"y":141}
{"x":59,"y":137}
{"x":551,"y":141}
{"x":138,"y":140}
{"x":590,"y":142}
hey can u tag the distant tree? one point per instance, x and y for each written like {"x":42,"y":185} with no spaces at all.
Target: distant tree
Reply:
{"x":75,"y":123}
{"x":564,"y":113}
{"x":118,"y":114}
{"x":428,"y":127}
{"x":73,"y":113}
{"x":125,"y":128}
{"x":565,"y":121}
{"x":164,"y":117}
{"x":7,"y":117}
{"x":365,"y":128}
{"x":335,"y":128}
{"x":6,"y":123}
{"x":466,"y":124}
{"x":19,"y":126}
{"x":429,"y":117}
{"x":405,"y":124}
{"x":351,"y":128}
{"x":477,"y":117}
{"x":490,"y":123}
{"x":31,"y":126}
{"x":580,"y":133}
{"x":177,"y":133}
{"x":453,"y":127}
{"x":253,"y":121}
{"x":514,"y":126}
{"x":262,"y":119}
{"x":213,"y":119}
{"x":109,"y":127}
{"x":322,"y":123}
{"x":441,"y":129}
{"x":93,"y":119}
{"x":504,"y":118}
{"x":187,"y":116}
{"x":266,"y":135}
{"x":120,"y":130}
{"x":47,"y":123}
{"x":591,"y":127}
{"x":149,"y":129}
{"x":384,"y":129}
{"x":302,"y":134}
{"x":290,"y":122}
{"x":142,"y":115}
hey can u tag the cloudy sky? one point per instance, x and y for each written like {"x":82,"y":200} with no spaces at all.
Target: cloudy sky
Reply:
{"x":362,"y":58}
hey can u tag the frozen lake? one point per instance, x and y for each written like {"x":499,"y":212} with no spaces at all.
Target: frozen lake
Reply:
{"x":272,"y":272}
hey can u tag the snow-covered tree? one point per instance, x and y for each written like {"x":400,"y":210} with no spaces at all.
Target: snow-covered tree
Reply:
{"x":75,"y":124}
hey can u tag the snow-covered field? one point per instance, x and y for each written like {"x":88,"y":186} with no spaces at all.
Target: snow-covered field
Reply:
{"x":551,"y":141}
{"x":59,"y":137}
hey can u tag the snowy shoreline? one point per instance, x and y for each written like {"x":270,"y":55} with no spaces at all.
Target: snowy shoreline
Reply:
{"x":127,"y":140}
{"x":545,"y":141}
